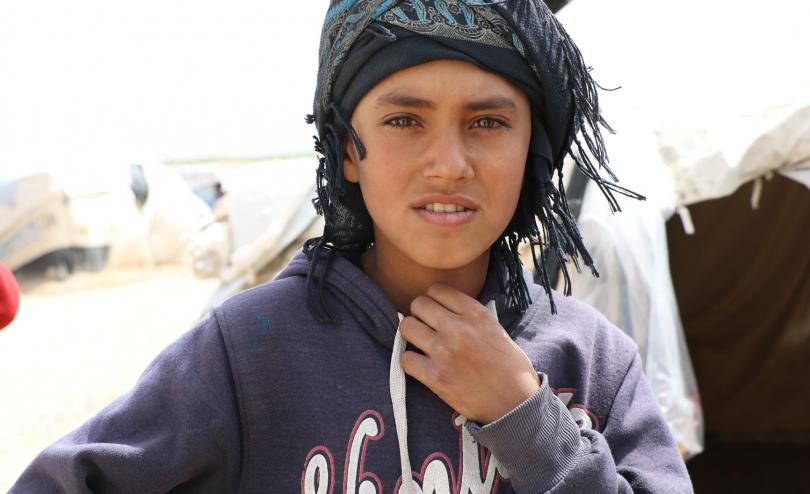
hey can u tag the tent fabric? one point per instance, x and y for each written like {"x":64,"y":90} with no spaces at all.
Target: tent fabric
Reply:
{"x":717,"y":117}
{"x":743,"y":288}
{"x":635,"y":290}
{"x":713,"y":158}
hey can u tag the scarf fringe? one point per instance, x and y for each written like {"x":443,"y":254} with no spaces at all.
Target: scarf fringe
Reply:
{"x":320,"y":251}
{"x":557,"y":235}
{"x":342,"y":231}
{"x":587,"y":122}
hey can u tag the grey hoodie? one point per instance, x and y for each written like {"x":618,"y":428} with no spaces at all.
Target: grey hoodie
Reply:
{"x":260,"y":397}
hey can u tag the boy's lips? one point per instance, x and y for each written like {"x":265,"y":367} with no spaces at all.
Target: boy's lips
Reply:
{"x":465,"y":202}
{"x":447,"y":219}
{"x":439,"y":209}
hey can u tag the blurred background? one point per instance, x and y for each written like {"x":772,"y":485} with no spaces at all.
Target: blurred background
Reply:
{"x":154,"y":160}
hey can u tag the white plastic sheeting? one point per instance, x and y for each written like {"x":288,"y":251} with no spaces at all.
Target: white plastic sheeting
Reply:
{"x":267,"y":206}
{"x":171,"y":215}
{"x":635,"y":289}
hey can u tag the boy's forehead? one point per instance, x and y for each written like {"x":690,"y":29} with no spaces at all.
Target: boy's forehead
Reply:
{"x":429,"y":85}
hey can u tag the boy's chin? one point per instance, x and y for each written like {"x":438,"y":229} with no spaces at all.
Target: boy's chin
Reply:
{"x":434,"y":253}
{"x":449,"y":260}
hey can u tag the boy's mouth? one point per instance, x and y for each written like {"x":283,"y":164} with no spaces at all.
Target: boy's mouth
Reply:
{"x":445,"y":204}
{"x":438,"y":207}
{"x":446,"y":211}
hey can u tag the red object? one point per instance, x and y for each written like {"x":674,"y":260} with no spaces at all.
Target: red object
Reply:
{"x":9,"y":296}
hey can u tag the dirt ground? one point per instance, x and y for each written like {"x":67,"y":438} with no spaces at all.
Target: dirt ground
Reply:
{"x":78,"y":344}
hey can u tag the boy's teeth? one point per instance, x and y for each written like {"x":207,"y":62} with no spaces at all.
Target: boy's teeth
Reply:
{"x":444,"y":208}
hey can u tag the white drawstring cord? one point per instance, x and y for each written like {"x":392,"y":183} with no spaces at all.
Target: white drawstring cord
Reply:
{"x":397,"y":389}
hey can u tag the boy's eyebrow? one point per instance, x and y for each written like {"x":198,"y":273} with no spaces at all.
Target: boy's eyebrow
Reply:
{"x":493,"y":103}
{"x":401,"y":99}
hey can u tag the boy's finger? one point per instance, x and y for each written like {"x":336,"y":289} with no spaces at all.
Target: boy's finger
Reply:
{"x":419,"y":367}
{"x":432,"y":313}
{"x":452,"y":298}
{"x":421,"y":335}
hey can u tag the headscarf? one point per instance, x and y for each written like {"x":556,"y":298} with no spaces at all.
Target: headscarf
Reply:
{"x":363,"y":42}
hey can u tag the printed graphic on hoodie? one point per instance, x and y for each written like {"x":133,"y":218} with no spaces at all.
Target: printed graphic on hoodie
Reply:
{"x":478,"y":471}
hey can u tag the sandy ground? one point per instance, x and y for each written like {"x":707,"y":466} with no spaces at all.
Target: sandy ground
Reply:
{"x":78,"y":344}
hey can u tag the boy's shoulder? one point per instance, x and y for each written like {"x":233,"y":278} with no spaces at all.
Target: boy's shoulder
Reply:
{"x":586,"y":357}
{"x":572,"y":316}
{"x":285,"y":295}
{"x":276,"y":290}
{"x":579,"y":327}
{"x":286,"y":291}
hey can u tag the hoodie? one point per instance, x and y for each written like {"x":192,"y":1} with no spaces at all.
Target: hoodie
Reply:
{"x":260,"y":397}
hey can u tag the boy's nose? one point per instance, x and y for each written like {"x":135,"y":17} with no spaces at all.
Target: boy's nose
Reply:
{"x":449,"y":159}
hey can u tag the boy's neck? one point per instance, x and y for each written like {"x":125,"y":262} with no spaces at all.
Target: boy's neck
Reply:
{"x":402,"y":280}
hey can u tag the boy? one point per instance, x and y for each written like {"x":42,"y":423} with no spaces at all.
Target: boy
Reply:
{"x":440,"y":126}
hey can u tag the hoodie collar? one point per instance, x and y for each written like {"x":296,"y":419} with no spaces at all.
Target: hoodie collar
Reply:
{"x":350,"y":287}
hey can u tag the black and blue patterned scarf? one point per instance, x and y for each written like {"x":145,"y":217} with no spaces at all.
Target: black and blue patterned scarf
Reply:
{"x":365,"y":41}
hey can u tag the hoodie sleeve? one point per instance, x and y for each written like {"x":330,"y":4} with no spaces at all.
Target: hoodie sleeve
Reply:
{"x":177,"y":430}
{"x":543,"y":450}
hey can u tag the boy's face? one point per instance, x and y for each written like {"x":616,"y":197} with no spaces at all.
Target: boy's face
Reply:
{"x":440,"y":136}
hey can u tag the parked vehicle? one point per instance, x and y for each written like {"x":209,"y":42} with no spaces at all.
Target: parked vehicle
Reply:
{"x":136,"y":215}
{"x":40,"y":222}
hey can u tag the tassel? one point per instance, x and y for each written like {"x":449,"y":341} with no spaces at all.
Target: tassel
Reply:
{"x":557,"y":235}
{"x":345,"y":230}
{"x":313,"y":249}
{"x":341,"y":118}
{"x":587,"y":121}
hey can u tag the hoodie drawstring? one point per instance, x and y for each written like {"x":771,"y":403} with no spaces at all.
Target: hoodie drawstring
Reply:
{"x":397,"y":388}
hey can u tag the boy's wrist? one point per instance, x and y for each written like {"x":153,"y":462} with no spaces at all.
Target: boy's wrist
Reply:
{"x":537,"y":443}
{"x":523,"y":393}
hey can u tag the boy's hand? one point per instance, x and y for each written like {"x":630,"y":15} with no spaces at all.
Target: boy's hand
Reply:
{"x":470,"y":362}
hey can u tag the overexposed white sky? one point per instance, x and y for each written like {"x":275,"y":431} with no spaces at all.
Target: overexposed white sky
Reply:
{"x":687,"y":61}
{"x":90,"y":82}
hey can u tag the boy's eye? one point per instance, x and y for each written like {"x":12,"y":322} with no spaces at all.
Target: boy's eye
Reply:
{"x":488,"y":123}
{"x":404,"y":122}
{"x":401,"y":122}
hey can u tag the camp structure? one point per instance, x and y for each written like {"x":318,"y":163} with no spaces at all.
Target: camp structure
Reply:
{"x":262,"y":220}
{"x":711,"y":274}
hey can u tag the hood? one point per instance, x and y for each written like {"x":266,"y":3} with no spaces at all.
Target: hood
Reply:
{"x":348,"y":285}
